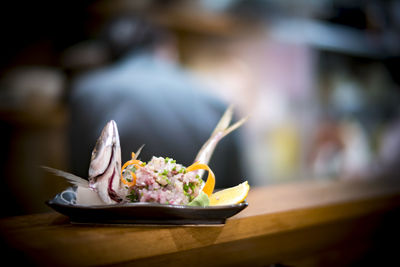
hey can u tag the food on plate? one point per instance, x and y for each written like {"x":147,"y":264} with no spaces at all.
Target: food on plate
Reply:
{"x":161,"y":180}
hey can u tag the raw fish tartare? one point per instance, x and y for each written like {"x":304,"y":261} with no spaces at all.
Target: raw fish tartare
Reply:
{"x":161,"y":180}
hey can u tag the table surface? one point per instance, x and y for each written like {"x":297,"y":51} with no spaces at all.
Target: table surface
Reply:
{"x":282,"y":222}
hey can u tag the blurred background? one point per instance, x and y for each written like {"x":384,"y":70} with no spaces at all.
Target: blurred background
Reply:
{"x":319,"y":79}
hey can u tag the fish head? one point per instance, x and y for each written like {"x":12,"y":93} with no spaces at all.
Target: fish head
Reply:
{"x":106,"y":145}
{"x":105,"y":165}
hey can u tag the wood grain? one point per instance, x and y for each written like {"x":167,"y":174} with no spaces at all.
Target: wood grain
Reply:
{"x":310,"y":223}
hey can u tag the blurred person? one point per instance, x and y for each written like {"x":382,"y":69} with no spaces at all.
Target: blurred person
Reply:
{"x":153,"y":100}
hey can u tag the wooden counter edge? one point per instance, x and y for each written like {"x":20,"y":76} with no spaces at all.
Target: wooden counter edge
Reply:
{"x":49,"y":238}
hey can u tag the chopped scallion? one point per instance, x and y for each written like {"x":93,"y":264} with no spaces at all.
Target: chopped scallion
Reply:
{"x":185,"y":188}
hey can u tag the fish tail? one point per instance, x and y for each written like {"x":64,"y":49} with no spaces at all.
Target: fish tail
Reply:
{"x":235,"y":126}
{"x":221,"y":130}
{"x":73,"y":179}
{"x":224,"y":121}
{"x":223,"y":124}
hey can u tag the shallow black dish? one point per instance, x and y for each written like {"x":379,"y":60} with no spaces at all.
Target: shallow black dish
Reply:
{"x":141,"y":213}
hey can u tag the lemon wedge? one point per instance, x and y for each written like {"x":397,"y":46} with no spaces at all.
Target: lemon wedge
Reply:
{"x":229,"y":196}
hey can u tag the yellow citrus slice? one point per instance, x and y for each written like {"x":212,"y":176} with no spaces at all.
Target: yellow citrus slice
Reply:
{"x":229,"y":196}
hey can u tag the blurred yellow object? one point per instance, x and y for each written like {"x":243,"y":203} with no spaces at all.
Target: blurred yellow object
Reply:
{"x":284,"y":144}
{"x":232,"y":195}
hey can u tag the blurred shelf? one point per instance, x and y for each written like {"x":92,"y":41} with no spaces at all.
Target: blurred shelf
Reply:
{"x":335,"y":38}
{"x":194,"y":18}
{"x":186,"y":17}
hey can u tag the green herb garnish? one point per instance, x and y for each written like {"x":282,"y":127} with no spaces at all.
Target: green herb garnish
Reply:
{"x":192,"y":186}
{"x":133,"y":197}
{"x":185,"y":187}
{"x":201,"y":200}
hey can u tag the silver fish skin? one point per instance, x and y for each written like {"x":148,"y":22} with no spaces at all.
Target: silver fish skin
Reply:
{"x":221,"y":130}
{"x":105,"y":166}
{"x":104,"y":171}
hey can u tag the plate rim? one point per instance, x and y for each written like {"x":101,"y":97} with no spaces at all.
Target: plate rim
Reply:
{"x":51,"y":202}
{"x":175,"y":214}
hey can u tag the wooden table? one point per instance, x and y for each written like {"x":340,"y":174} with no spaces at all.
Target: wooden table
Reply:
{"x":310,"y":223}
